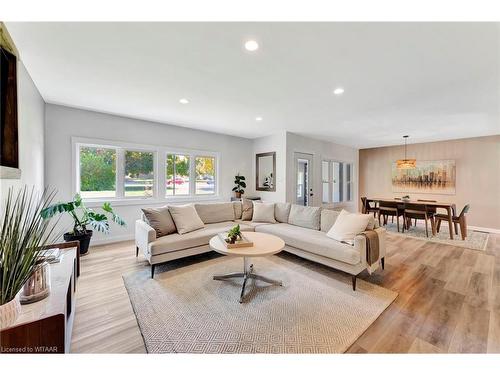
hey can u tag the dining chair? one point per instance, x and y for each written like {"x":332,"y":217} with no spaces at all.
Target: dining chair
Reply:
{"x":419,"y":211}
{"x":430,"y":209}
{"x":367,"y":208}
{"x":390,"y":208}
{"x":460,"y":220}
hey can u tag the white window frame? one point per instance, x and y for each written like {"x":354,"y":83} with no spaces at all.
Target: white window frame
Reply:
{"x":160,"y":171}
{"x":345,"y":184}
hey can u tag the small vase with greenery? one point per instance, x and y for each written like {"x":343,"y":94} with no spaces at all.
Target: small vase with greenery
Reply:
{"x":83,"y":217}
{"x":24,"y":232}
{"x":240,"y":184}
{"x":234,"y":234}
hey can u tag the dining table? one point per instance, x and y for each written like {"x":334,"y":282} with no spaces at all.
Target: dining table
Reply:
{"x":449,"y":207}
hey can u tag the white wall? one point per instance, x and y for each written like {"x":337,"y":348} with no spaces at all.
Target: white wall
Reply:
{"x":31,"y":114}
{"x":321,"y":150}
{"x":273,"y":143}
{"x":63,"y":123}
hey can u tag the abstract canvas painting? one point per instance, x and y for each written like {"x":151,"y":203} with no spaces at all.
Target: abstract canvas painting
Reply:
{"x":432,"y":177}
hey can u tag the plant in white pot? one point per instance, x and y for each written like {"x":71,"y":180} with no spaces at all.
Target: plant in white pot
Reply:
{"x":23,"y":234}
{"x":83,"y":217}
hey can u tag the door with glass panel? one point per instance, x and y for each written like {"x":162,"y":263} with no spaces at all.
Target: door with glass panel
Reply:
{"x":303,"y":179}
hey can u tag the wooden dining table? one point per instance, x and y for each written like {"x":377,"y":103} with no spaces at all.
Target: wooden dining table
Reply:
{"x":449,"y":207}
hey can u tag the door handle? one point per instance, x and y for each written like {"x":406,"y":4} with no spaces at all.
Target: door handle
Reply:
{"x":311,"y":194}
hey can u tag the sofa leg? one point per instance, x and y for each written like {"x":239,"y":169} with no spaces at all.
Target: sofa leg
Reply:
{"x":136,"y":251}
{"x":354,"y":282}
{"x":152,"y":271}
{"x":382,"y":262}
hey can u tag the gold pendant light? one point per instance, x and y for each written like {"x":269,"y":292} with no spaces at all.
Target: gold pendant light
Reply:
{"x":406,"y":163}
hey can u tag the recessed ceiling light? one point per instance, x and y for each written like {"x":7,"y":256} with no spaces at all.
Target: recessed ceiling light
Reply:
{"x":338,"y":91}
{"x":251,"y":45}
{"x":183,"y":101}
{"x":258,"y":118}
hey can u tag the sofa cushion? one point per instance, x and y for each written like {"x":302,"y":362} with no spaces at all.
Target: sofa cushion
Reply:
{"x":282,"y":211}
{"x":215,"y":212}
{"x":160,"y":220}
{"x":200,"y":237}
{"x":348,"y":225}
{"x":306,"y":217}
{"x":238,"y":209}
{"x":247,"y":209}
{"x":313,"y":241}
{"x":263,"y":212}
{"x":251,"y":224}
{"x":186,"y":218}
{"x":328,"y":218}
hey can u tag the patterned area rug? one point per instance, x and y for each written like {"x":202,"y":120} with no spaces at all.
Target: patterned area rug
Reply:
{"x":474,"y":240}
{"x":315,"y":311}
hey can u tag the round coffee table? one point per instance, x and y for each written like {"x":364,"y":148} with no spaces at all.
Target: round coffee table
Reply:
{"x":263,"y":245}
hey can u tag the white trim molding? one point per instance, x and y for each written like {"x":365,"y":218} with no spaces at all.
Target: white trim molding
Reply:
{"x":483,"y":229}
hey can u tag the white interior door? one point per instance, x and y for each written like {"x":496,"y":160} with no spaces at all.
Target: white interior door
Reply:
{"x":303,"y":179}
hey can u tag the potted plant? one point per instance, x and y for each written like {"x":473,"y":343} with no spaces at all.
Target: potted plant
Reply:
{"x":240,"y":184}
{"x":234,"y":234}
{"x":83,"y":217}
{"x":23,"y":233}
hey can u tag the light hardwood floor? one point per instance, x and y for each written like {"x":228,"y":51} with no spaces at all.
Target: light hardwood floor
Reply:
{"x":449,"y":300}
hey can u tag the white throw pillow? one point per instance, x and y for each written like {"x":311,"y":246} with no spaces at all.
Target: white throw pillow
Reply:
{"x":348,"y":225}
{"x":186,"y":218}
{"x":263,"y":212}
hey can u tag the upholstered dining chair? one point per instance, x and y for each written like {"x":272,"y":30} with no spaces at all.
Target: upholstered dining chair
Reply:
{"x":367,"y":207}
{"x":390,"y":208}
{"x":460,"y":220}
{"x":419,"y":211}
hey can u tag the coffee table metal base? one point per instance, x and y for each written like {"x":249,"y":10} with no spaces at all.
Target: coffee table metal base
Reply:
{"x":247,"y":274}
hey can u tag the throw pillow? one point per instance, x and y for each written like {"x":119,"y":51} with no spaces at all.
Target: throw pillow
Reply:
{"x":328,"y":218}
{"x":186,"y":218}
{"x":247,"y":209}
{"x":215,"y":212}
{"x":160,"y":220}
{"x":306,"y":217}
{"x":263,"y":212}
{"x":238,"y":210}
{"x":282,"y":211}
{"x":348,"y":225}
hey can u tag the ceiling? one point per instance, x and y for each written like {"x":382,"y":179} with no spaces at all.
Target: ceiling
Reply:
{"x":433,"y":81}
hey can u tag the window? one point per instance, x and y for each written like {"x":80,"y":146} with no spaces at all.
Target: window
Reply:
{"x":178,"y":171}
{"x":205,"y":175}
{"x":97,"y":172}
{"x":139,"y":174}
{"x":337,"y":181}
{"x":114,"y":170}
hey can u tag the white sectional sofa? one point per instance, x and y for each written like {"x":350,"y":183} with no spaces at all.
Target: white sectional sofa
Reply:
{"x":302,"y":228}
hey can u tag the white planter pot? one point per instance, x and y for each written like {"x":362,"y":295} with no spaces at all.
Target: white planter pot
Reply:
{"x":9,"y":312}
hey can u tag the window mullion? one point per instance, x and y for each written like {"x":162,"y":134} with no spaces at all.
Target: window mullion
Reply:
{"x":120,"y":172}
{"x":160,"y":174}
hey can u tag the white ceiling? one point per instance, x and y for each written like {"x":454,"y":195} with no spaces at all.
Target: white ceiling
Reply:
{"x":433,"y":81}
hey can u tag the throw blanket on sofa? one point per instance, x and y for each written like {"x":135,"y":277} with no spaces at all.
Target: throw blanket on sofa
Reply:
{"x":372,"y":247}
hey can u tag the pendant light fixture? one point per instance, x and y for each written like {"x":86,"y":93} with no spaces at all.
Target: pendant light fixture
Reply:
{"x":406,"y":163}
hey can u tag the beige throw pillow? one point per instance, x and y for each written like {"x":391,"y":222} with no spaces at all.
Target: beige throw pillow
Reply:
{"x":238,"y":209}
{"x":247,"y":209}
{"x":306,"y":217}
{"x":348,"y":225}
{"x":328,"y":218}
{"x":282,"y":211}
{"x":215,"y":212}
{"x":160,"y":220}
{"x":263,"y":212}
{"x":186,"y":218}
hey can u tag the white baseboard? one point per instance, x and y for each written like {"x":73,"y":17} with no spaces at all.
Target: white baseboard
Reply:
{"x":111,"y":239}
{"x":483,"y":229}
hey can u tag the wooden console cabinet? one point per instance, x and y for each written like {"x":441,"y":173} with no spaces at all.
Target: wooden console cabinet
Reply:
{"x":45,"y":326}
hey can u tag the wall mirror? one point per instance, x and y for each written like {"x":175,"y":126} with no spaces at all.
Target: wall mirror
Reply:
{"x":265,"y":167}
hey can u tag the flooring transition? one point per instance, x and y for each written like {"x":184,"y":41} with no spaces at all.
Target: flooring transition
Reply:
{"x":449,"y":300}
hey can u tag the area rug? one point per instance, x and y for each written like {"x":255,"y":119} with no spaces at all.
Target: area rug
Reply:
{"x":475,"y":240}
{"x":315,"y":311}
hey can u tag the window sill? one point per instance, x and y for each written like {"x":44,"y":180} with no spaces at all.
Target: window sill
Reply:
{"x":117,"y":202}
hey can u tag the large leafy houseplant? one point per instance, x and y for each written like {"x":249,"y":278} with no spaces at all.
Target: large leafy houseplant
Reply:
{"x":83,"y":217}
{"x":240,"y":184}
{"x":24,"y":232}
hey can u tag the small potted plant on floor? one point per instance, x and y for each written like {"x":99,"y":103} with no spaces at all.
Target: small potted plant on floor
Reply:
{"x":23,"y":234}
{"x":83,"y":217}
{"x":240,"y":184}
